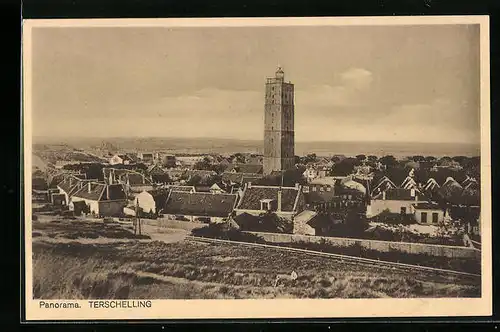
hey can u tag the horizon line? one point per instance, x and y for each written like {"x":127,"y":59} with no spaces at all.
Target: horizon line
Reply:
{"x":242,"y":139}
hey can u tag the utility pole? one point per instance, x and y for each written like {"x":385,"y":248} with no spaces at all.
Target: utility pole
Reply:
{"x":137,"y":216}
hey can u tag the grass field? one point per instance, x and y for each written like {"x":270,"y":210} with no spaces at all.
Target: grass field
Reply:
{"x":79,"y":267}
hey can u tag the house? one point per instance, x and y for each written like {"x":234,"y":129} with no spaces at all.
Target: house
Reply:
{"x":189,"y":189}
{"x":319,"y":190}
{"x":169,"y":161}
{"x":102,"y":199}
{"x":313,"y":172}
{"x":245,"y":168}
{"x":176,"y":174}
{"x":397,"y":200}
{"x":286,"y":202}
{"x":203,"y":174}
{"x":194,"y":206}
{"x":220,"y":188}
{"x":70,"y":185}
{"x":202,"y":189}
{"x":188,"y":160}
{"x":120,"y":159}
{"x":384,"y":183}
{"x":152,"y":201}
{"x":134,"y":182}
{"x":239,"y":178}
{"x":146,"y":157}
{"x":155,"y":169}
{"x":428,"y":213}
{"x":59,"y":200}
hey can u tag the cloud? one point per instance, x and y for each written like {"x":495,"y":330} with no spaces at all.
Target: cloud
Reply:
{"x":352,"y":89}
{"x":357,"y":78}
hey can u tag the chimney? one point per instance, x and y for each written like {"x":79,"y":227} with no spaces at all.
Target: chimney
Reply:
{"x":107,"y":192}
{"x":70,"y":181}
{"x":383,"y":195}
{"x":89,"y":187}
{"x":110,"y":181}
{"x":297,"y":186}
{"x":279,"y":201}
{"x":249,"y":184}
{"x":412,"y":192}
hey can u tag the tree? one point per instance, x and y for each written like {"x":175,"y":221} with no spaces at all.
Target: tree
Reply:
{"x":372,"y":158}
{"x":462,"y":160}
{"x":388,"y":161}
{"x":418,"y":158}
{"x":218,"y":168}
{"x":297,"y":160}
{"x":430,"y":158}
{"x":194,"y":180}
{"x":361,"y":157}
{"x":345,"y":167}
{"x":240,"y":158}
{"x":161,"y":178}
{"x":336,"y":159}
{"x":210,"y":180}
{"x":204,"y":164}
{"x":310,"y":158}
{"x":271,"y":222}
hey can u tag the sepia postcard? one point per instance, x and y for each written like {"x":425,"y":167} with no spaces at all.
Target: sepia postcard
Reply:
{"x":257,"y":168}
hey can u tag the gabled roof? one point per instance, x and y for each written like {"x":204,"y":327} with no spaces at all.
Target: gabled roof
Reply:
{"x":200,"y":204}
{"x":409,"y":183}
{"x":245,"y":168}
{"x":254,"y":194}
{"x":384,"y":183}
{"x":98,"y":192}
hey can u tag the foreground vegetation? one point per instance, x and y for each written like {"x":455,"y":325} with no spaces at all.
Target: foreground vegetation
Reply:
{"x":225,"y":232}
{"x":79,"y":269}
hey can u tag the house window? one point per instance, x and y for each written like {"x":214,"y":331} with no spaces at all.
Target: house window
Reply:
{"x":435,"y":217}
{"x":328,"y":189}
{"x":423,"y":217}
{"x":313,"y":188}
{"x":403,"y":210}
{"x":350,"y":196}
{"x":305,"y":189}
{"x":321,"y":189}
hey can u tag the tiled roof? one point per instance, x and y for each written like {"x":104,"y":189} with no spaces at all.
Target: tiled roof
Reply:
{"x":245,"y":168}
{"x":254,"y":194}
{"x":97,"y":192}
{"x":200,"y":204}
{"x":68,"y":185}
{"x":427,"y":206}
{"x":181,"y":188}
{"x":200,"y":173}
{"x":240,"y":177}
{"x":137,"y":179}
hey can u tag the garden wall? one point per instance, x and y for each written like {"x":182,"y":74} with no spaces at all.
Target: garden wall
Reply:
{"x":177,"y":224}
{"x":381,"y":246}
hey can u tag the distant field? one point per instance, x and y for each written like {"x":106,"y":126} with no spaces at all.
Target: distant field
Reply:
{"x":106,"y":267}
{"x":220,"y":145}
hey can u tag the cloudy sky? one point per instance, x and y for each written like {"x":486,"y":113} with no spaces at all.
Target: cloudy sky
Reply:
{"x":386,"y":83}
